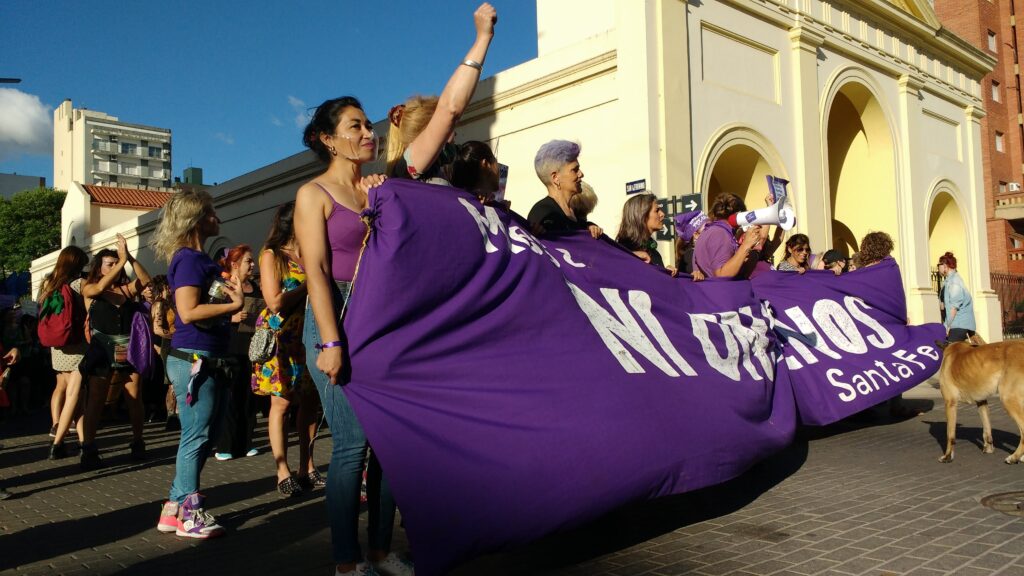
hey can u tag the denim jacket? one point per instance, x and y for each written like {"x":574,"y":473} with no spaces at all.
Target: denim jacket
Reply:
{"x":957,"y":296}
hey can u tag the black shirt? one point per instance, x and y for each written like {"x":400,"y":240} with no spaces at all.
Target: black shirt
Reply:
{"x":547,"y":216}
{"x":651,"y":248}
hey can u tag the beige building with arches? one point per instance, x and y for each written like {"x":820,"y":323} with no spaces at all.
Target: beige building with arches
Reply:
{"x":868,"y":107}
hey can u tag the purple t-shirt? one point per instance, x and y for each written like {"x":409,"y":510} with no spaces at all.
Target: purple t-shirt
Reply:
{"x":714,"y":248}
{"x":194,"y":268}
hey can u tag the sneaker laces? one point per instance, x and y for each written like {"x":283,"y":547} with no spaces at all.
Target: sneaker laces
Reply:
{"x":205,"y":517}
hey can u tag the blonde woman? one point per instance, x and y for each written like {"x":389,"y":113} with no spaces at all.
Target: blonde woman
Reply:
{"x":420,"y":137}
{"x":198,"y":354}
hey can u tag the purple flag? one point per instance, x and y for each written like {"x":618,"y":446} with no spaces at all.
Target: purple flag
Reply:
{"x":512,"y":386}
{"x":848,"y":346}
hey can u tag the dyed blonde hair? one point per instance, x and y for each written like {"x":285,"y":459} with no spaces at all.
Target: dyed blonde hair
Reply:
{"x":179,"y":221}
{"x":583,"y":204}
{"x":414,"y":118}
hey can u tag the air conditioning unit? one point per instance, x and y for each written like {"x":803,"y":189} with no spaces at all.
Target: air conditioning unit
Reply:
{"x":1013,"y":187}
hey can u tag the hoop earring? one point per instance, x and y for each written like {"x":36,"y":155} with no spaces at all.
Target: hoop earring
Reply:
{"x":332,"y":150}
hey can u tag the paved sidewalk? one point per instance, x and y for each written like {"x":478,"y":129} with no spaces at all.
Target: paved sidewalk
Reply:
{"x":852,"y":498}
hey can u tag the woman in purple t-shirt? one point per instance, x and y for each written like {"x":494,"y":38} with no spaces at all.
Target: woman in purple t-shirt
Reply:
{"x":199,"y":350}
{"x":717,"y":253}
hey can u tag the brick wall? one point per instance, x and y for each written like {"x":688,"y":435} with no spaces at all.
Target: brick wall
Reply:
{"x":973,"y":20}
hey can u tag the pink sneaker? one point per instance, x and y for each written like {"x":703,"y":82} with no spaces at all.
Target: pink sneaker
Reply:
{"x":168,"y":517}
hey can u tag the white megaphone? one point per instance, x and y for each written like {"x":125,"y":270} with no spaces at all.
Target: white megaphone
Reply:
{"x":779,"y":214}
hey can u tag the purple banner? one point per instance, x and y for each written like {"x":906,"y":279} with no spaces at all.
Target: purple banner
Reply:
{"x":512,"y":387}
{"x":847,"y":342}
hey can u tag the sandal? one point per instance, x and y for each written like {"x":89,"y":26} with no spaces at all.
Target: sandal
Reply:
{"x":289,"y":487}
{"x":314,"y":480}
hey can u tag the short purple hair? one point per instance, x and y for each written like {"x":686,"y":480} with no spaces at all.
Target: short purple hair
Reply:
{"x":552,"y":156}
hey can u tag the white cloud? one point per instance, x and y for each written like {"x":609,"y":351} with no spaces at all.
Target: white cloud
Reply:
{"x":276,"y":121}
{"x":302,"y":114}
{"x":225,"y":138}
{"x":26,"y":125}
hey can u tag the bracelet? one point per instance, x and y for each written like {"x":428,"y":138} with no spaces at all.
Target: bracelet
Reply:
{"x":473,"y":64}
{"x":325,"y":345}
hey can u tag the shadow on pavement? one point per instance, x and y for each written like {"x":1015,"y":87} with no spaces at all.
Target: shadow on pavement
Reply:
{"x":43,"y":542}
{"x":640,"y":522}
{"x":1002,"y":440}
{"x":876,"y":416}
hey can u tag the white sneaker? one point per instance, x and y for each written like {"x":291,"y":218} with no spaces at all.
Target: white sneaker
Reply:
{"x":362,"y":569}
{"x":252,"y":452}
{"x":392,"y":565}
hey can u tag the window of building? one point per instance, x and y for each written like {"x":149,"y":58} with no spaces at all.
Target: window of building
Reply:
{"x":995,"y":91}
{"x":145,"y":162}
{"x":128,"y":148}
{"x":113,"y":138}
{"x":154,"y":151}
{"x":113,"y":179}
{"x":1002,"y":187}
{"x":112,"y":158}
{"x":145,"y":182}
{"x":1016,"y":243}
{"x":999,"y":142}
{"x":992,"y":43}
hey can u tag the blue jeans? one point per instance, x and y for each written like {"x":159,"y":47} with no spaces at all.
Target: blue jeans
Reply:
{"x":348,"y":455}
{"x":200,"y":422}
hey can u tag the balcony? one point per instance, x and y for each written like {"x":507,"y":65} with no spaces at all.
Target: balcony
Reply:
{"x":107,"y":147}
{"x":136,"y":171}
{"x":1010,"y":206}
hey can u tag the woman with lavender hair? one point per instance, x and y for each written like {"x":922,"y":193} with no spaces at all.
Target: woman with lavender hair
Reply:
{"x":558,"y":167}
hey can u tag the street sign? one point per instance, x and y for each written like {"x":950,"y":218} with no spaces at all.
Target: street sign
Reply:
{"x":636,"y":186}
{"x":676,"y":205}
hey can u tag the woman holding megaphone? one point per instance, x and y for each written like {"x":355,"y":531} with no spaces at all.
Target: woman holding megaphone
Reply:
{"x":717,"y":252}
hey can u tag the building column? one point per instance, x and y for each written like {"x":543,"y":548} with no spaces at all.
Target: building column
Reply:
{"x":987,"y":312}
{"x":675,"y":139}
{"x":809,"y":190}
{"x":922,"y":301}
{"x":637,"y":80}
{"x":654,"y":97}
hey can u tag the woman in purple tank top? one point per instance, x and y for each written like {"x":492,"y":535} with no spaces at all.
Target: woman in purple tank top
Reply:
{"x":330,"y":234}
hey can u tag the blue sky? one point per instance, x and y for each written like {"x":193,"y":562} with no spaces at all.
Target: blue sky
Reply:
{"x":230,"y":78}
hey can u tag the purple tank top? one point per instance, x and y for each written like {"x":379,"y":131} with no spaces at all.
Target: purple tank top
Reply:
{"x":345,"y":233}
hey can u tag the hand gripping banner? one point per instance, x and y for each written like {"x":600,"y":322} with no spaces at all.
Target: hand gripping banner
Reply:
{"x":512,"y":386}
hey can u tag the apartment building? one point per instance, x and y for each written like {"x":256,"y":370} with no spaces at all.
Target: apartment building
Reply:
{"x":990,"y":25}
{"x":93,"y":148}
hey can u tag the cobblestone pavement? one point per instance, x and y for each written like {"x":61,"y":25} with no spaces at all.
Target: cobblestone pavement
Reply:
{"x":863,"y":497}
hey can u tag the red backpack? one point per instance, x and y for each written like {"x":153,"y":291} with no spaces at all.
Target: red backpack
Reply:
{"x":61,"y":318}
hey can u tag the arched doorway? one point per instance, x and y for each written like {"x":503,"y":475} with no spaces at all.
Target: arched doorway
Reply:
{"x":861,"y":169}
{"x":947,"y":233}
{"x":737,"y":162}
{"x":740,"y":170}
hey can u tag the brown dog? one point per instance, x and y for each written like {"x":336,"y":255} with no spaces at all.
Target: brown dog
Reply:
{"x":973,"y":373}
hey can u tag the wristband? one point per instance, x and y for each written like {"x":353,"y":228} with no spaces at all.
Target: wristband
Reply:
{"x":325,"y":345}
{"x":473,"y":64}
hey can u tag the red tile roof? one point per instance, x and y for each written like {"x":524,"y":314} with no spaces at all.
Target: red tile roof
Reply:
{"x":127,"y":197}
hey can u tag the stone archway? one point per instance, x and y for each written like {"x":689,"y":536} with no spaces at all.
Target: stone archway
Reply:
{"x":740,"y":170}
{"x":947,"y":232}
{"x":861,"y":168}
{"x":737,"y":162}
